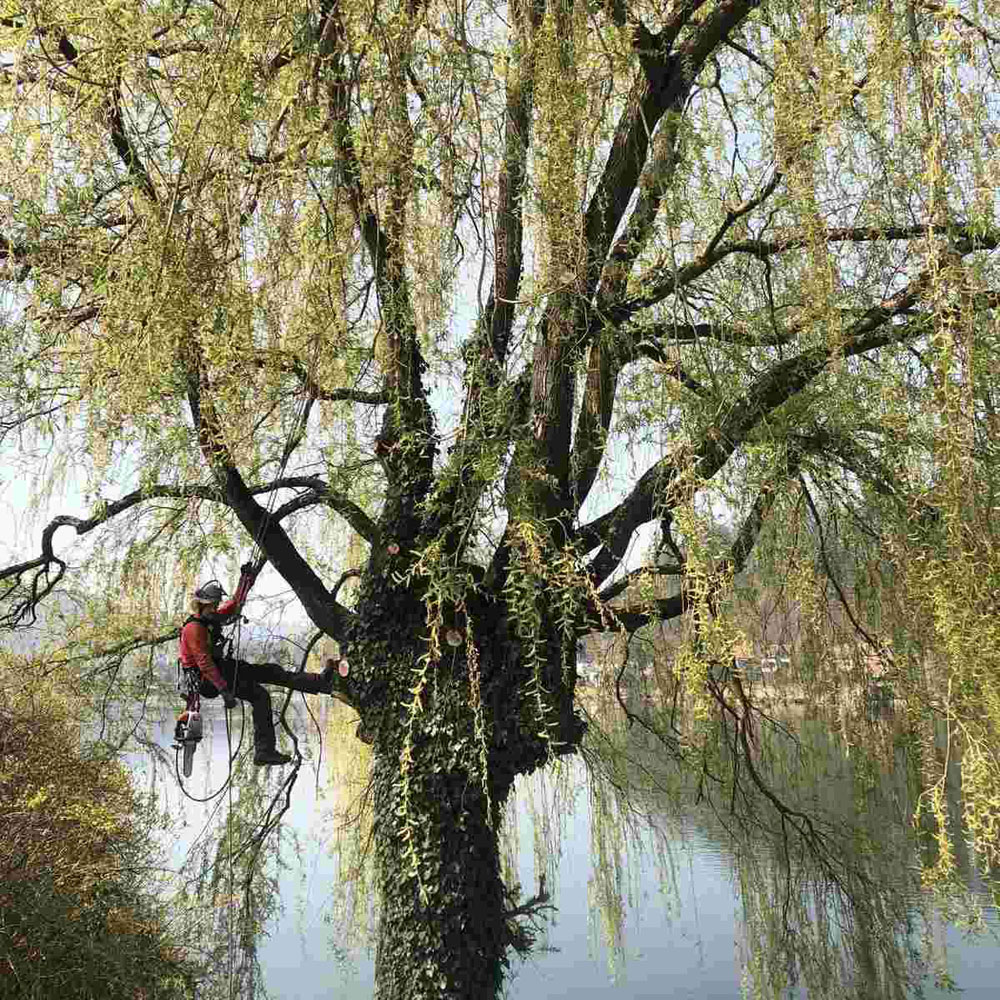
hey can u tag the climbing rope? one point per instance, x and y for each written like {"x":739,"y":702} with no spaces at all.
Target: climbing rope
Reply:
{"x":229,"y":831}
{"x":257,"y":563}
{"x":256,"y":549}
{"x":229,"y":775}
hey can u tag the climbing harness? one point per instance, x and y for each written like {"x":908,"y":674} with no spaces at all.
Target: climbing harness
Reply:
{"x":188,"y":730}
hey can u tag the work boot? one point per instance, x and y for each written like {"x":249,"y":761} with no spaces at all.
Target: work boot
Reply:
{"x":265,"y":756}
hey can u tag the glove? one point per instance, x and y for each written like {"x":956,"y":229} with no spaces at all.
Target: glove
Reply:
{"x":228,"y":700}
{"x":248,"y":569}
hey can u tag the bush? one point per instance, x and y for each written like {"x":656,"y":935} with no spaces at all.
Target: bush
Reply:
{"x":78,"y":917}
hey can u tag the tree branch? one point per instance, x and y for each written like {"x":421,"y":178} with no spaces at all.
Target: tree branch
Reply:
{"x":283,"y":362}
{"x":642,"y":38}
{"x":406,"y":445}
{"x":29,"y":594}
{"x":651,"y":339}
{"x":179,"y":48}
{"x":619,"y":587}
{"x":658,"y":87}
{"x":605,"y":364}
{"x":752,"y":56}
{"x":661,"y":609}
{"x":966,"y":241}
{"x":274,"y":542}
{"x":678,"y":19}
{"x":122,"y":648}
{"x":16,"y":254}
{"x":876,"y":647}
{"x":631,"y":619}
{"x":672,"y":479}
{"x":734,"y":214}
{"x":485,"y":425}
{"x":320,"y":493}
{"x":508,"y":251}
{"x":666,"y":83}
{"x":659,"y":175}
{"x":952,"y":11}
{"x":116,"y":121}
{"x":123,"y":145}
{"x":653,"y":91}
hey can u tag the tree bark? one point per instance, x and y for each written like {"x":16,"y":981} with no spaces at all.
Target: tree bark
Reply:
{"x":442,"y":929}
{"x":438,"y":726}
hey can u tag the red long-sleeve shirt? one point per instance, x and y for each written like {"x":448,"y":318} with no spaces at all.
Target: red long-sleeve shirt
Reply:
{"x":195,"y":646}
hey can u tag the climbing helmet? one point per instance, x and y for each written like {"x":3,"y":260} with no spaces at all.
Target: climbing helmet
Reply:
{"x":209,"y":592}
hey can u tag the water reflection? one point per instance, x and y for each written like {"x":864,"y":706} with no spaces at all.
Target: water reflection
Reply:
{"x":662,"y":887}
{"x":819,"y":838}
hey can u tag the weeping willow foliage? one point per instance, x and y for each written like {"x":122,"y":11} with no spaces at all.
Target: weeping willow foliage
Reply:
{"x":554,"y":318}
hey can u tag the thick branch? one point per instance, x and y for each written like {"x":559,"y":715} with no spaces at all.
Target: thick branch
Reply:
{"x":608,"y":357}
{"x":659,"y":175}
{"x":666,"y":82}
{"x":604,"y":365}
{"x":622,"y":17}
{"x":640,"y":575}
{"x":320,"y":493}
{"x":630,"y":619}
{"x":651,"y":339}
{"x":650,"y":97}
{"x":509,"y":232}
{"x":664,"y":85}
{"x":673,"y":478}
{"x":47,"y":569}
{"x":485,"y":423}
{"x":116,"y":121}
{"x":966,"y":241}
{"x":273,"y":540}
{"x":406,"y":445}
{"x":123,"y":145}
{"x":661,"y":609}
{"x":122,"y":648}
{"x":28,"y":594}
{"x":678,"y":19}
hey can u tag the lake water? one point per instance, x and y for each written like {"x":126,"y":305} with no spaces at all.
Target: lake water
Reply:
{"x":689,"y":923}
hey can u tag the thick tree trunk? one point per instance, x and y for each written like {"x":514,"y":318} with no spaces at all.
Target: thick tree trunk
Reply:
{"x":444,"y":924}
{"x":442,"y":930}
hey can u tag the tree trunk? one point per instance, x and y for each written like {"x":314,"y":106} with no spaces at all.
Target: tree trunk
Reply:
{"x":442,"y":929}
{"x":445,"y":924}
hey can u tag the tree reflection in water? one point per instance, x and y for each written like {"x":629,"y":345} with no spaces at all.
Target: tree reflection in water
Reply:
{"x":817,"y":819}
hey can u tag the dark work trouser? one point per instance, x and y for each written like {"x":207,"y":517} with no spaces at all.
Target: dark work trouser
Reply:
{"x":247,"y":680}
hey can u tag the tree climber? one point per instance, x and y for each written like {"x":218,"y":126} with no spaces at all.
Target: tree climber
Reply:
{"x":202,"y":649}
